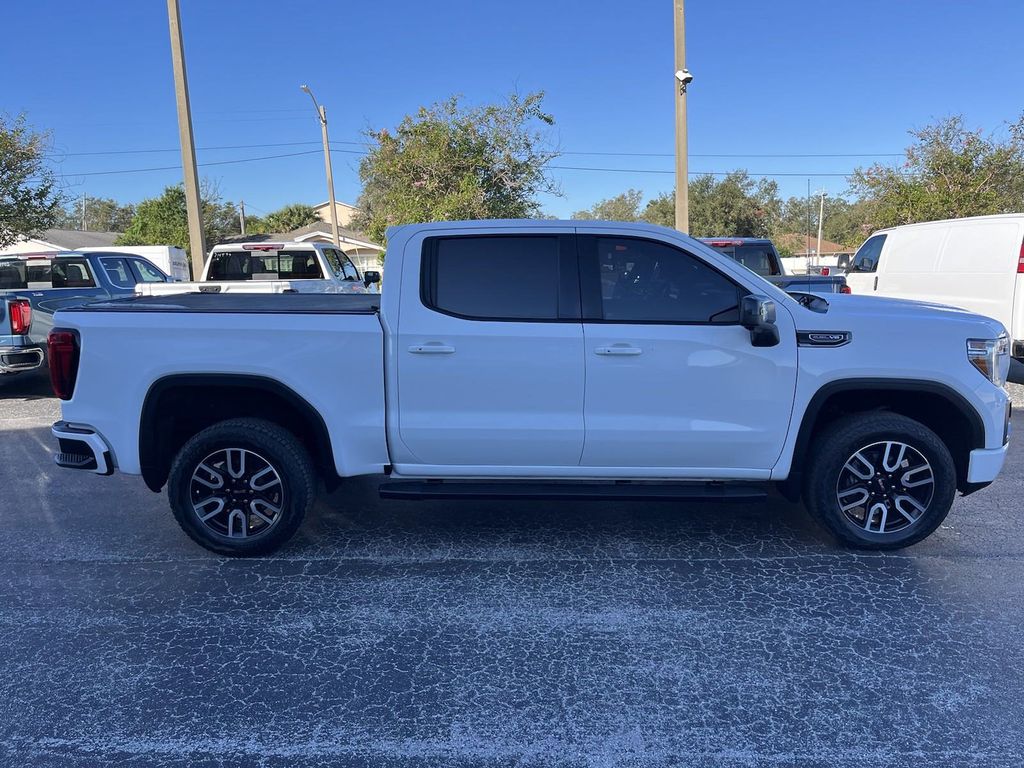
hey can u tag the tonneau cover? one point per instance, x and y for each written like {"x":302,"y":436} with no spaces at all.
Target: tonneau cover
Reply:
{"x":242,"y":303}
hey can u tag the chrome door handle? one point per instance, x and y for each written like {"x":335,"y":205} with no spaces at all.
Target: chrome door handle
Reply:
{"x":431,"y":349}
{"x":619,"y":350}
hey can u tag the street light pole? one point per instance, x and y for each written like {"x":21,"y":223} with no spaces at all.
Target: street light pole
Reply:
{"x":197,"y":246}
{"x":322,"y":114}
{"x":683,"y":79}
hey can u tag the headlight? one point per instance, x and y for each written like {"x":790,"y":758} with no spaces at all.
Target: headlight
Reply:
{"x":991,"y":357}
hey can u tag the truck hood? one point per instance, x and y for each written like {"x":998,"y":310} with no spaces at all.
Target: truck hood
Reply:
{"x":853,"y":309}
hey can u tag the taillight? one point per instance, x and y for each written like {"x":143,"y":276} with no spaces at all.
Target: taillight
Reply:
{"x":845,"y":289}
{"x":62,"y":345}
{"x":21,"y":316}
{"x":1020,"y":260}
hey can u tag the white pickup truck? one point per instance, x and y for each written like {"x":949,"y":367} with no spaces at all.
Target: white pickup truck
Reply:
{"x":537,"y":359}
{"x":266,"y":267}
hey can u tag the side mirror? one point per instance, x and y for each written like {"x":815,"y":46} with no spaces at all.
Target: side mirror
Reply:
{"x":757,"y":315}
{"x":370,"y":277}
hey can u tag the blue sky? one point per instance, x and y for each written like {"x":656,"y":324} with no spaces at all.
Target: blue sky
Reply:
{"x":784,"y":77}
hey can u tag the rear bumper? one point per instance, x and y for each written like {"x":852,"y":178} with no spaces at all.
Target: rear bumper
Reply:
{"x":15,"y":359}
{"x":81,"y":447}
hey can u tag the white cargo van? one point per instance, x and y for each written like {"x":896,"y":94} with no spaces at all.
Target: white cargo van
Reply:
{"x":170,"y":258}
{"x":976,"y":264}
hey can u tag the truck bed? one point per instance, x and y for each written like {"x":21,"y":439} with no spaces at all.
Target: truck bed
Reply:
{"x":243,"y":303}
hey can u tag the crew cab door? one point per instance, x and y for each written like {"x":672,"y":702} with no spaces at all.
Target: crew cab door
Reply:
{"x":674,"y":386}
{"x":489,"y":351}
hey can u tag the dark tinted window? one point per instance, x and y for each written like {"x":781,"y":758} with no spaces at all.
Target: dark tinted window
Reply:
{"x":13,"y":274}
{"x":643,"y":280}
{"x":265,"y":265}
{"x":866,"y":258}
{"x":21,"y":273}
{"x":757,"y":258}
{"x":501,"y":278}
{"x":71,"y":273}
{"x":118,"y":272}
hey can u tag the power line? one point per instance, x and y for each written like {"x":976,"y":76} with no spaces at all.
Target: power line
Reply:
{"x":200,"y":149}
{"x":574,"y":152}
{"x":691,"y":173}
{"x":218,"y":162}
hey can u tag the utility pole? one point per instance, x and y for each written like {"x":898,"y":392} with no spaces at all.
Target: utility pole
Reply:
{"x":241,"y":216}
{"x":85,"y":221}
{"x":197,"y":246}
{"x":321,"y":112}
{"x":807,"y":246}
{"x":683,"y":78}
{"x":821,"y":220}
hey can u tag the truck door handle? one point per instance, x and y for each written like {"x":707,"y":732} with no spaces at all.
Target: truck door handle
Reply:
{"x":876,"y":282}
{"x":619,"y":349}
{"x":433,"y":348}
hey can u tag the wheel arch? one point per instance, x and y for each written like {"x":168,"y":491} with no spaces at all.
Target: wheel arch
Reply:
{"x":938,"y":406}
{"x":179,"y":406}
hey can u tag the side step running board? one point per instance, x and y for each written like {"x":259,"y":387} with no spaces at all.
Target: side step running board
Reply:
{"x":571,"y":490}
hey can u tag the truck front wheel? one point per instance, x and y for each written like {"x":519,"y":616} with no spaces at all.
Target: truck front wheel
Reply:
{"x":241,"y":487}
{"x":879,"y":480}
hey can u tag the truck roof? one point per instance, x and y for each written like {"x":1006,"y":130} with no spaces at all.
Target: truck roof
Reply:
{"x":269,"y":245}
{"x":735,"y":240}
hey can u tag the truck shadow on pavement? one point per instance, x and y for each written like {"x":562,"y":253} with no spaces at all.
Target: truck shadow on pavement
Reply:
{"x":554,"y":529}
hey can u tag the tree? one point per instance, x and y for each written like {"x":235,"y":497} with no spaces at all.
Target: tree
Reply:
{"x":290,"y":217}
{"x":29,"y":201}
{"x":661,"y":210}
{"x":737,"y":205}
{"x":950,"y":171}
{"x":163,"y":220}
{"x":101,"y":215}
{"x":624,"y":207}
{"x":846,"y":222}
{"x":452,"y":162}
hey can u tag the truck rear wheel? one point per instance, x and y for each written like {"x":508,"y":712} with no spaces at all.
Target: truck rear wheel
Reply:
{"x":241,"y":487}
{"x":879,"y":481}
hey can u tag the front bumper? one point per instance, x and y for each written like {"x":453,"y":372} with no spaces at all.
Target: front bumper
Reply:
{"x":985,"y":464}
{"x":82,"y":448}
{"x":16,"y":359}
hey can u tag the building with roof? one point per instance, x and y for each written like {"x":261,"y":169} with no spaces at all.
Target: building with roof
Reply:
{"x":61,"y":240}
{"x":346,"y":212}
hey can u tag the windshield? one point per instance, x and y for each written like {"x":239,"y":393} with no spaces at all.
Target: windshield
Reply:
{"x":265,"y":265}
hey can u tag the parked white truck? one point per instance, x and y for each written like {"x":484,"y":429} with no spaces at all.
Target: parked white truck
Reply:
{"x":537,"y":359}
{"x":267,"y":267}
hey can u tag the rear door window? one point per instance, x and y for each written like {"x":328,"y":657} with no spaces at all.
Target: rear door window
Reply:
{"x":867,"y":256}
{"x":493,"y":277}
{"x":71,"y":273}
{"x":118,"y":272}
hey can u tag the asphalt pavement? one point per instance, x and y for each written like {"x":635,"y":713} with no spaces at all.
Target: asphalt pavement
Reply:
{"x":493,"y":634}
